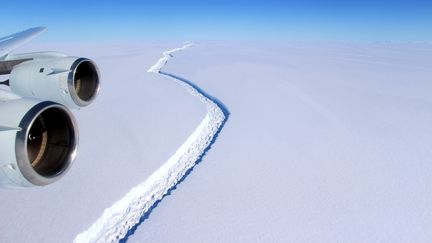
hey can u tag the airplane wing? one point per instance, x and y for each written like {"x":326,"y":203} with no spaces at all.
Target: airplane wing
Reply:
{"x":11,"y":42}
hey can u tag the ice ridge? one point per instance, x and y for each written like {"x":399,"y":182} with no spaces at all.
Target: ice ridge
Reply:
{"x":120,"y":218}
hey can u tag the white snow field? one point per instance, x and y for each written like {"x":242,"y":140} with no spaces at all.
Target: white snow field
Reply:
{"x":124,"y":214}
{"x":324,"y":143}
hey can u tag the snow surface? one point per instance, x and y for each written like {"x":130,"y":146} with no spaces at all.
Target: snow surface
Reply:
{"x":117,"y":220}
{"x":325,"y":143}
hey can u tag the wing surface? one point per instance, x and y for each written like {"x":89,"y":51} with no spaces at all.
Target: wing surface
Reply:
{"x":11,"y":42}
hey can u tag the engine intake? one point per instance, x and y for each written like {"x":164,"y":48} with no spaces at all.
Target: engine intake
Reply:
{"x":72,"y":81}
{"x":83,"y":81}
{"x":50,"y":141}
{"x":45,"y":145}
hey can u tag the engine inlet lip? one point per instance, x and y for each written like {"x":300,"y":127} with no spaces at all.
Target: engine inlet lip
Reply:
{"x":23,"y":161}
{"x":71,"y":82}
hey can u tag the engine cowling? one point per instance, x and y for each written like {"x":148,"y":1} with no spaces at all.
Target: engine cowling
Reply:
{"x":41,"y":148}
{"x":72,"y":81}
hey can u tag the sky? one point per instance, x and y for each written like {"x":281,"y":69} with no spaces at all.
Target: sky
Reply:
{"x":310,"y":20}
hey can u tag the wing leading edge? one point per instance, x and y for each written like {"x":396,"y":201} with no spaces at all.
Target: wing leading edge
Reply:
{"x":11,"y":42}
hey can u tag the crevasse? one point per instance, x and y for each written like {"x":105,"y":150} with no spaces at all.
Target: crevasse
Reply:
{"x":118,"y":219}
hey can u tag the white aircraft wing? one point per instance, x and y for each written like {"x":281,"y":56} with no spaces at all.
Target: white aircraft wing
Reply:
{"x":11,"y":42}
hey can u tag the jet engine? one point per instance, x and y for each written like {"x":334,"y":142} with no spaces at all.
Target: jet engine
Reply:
{"x":39,"y":144}
{"x":38,"y":134}
{"x":71,"y":81}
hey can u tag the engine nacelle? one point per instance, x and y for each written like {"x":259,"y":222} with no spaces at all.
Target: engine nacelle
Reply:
{"x":72,"y":81}
{"x":41,"y":148}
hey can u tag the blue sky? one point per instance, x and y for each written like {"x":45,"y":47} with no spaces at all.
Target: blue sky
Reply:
{"x":311,"y":20}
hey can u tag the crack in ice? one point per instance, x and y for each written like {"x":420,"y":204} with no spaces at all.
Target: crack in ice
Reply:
{"x":120,"y":218}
